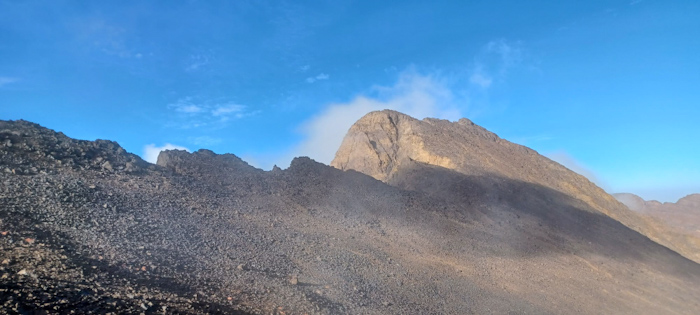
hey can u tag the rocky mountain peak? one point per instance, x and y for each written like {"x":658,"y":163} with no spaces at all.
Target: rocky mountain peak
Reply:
{"x":410,"y":153}
{"x":30,"y":149}
{"x":381,"y":141}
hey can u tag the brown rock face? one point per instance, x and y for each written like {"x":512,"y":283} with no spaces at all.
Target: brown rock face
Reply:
{"x":381,"y":142}
{"x":394,"y":148}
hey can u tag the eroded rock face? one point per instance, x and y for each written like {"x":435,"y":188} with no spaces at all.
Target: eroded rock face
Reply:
{"x":380,"y":142}
{"x":383,"y":143}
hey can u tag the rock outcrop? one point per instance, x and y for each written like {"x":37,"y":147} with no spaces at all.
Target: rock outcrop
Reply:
{"x":29,"y":149}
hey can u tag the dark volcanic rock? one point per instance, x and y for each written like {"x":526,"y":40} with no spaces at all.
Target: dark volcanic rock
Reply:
{"x":206,"y":233}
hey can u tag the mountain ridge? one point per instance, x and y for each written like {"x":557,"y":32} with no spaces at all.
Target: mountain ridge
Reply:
{"x":381,"y":141}
{"x":682,"y":216}
{"x":207,"y":233}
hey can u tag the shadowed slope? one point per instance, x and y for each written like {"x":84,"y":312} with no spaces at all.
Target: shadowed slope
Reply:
{"x":381,"y":142}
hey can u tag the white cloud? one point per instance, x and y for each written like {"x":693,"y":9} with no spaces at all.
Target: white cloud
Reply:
{"x":7,"y":80}
{"x":569,"y":162}
{"x":414,"y":94}
{"x":185,"y":105}
{"x":151,"y":151}
{"x":319,"y":77}
{"x":227,"y":109}
{"x":194,"y":112}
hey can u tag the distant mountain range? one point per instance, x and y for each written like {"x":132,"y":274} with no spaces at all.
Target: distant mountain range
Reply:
{"x":413,"y":217}
{"x":682,"y":216}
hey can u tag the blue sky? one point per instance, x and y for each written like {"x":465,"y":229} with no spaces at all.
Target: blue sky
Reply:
{"x":608,"y":88}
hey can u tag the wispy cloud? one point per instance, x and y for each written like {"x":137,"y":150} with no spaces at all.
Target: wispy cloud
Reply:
{"x":196,"y":62}
{"x":493,"y":62}
{"x":320,"y":77}
{"x":571,"y":163}
{"x":529,"y":140}
{"x":7,"y":80}
{"x":416,"y":94}
{"x":151,"y":151}
{"x":108,"y":37}
{"x":194,"y":112}
{"x":227,"y":109}
{"x":480,"y":80}
{"x":204,"y":141}
{"x":190,"y":109}
{"x":510,"y":53}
